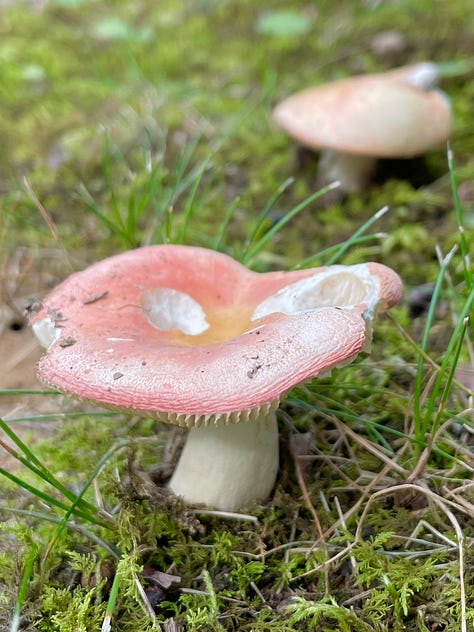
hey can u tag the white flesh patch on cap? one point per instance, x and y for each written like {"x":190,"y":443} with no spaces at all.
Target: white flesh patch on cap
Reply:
{"x":445,"y":98}
{"x":339,"y":286}
{"x":167,"y":308}
{"x":46,"y":332}
{"x":424,"y":75}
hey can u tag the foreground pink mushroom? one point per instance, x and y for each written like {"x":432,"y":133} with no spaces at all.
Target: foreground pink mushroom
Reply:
{"x":355,"y":121}
{"x":193,"y":338}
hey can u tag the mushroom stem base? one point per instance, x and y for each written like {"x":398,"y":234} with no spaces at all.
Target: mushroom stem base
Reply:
{"x":353,"y":172}
{"x":228,"y":467}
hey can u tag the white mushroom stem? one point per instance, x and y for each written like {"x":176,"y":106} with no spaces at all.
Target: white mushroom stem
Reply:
{"x":228,"y":467}
{"x":353,"y":172}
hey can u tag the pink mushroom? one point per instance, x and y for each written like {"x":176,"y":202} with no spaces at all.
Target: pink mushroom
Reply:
{"x":355,"y":121}
{"x":191,"y":337}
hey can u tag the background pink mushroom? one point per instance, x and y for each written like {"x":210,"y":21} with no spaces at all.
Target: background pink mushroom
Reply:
{"x":355,"y":121}
{"x":191,"y":337}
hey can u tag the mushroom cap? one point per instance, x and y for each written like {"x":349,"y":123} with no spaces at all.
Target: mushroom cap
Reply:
{"x":190,"y":336}
{"x":386,"y":115}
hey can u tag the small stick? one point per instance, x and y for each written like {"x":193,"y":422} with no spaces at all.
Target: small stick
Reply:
{"x":44,"y":214}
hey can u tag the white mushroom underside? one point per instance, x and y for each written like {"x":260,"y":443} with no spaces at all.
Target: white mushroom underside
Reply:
{"x":190,"y":420}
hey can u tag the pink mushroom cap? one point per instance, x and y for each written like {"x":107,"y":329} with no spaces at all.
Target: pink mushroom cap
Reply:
{"x":188,"y":335}
{"x":385,"y":115}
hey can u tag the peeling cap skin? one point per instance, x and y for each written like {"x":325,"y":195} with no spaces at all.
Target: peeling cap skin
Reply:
{"x":386,"y":115}
{"x":191,"y":337}
{"x":105,"y":349}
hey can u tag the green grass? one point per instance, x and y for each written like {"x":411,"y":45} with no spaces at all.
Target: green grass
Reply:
{"x":131,"y":130}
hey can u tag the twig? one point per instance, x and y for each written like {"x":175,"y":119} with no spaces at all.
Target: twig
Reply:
{"x":225,"y":514}
{"x":44,"y":214}
{"x":312,"y":510}
{"x":370,"y":447}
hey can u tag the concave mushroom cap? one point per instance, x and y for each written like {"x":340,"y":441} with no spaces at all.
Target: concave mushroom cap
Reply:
{"x":189,"y":335}
{"x":385,"y":115}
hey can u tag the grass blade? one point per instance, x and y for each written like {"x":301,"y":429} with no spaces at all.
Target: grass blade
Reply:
{"x":452,"y":350}
{"x":450,"y":377}
{"x":189,"y":207}
{"x":310,"y":261}
{"x":63,"y":523}
{"x":36,"y":467}
{"x":216,"y":244}
{"x":106,"y":624}
{"x":419,"y":425}
{"x":26,"y":391}
{"x":38,"y":515}
{"x":253,"y":251}
{"x":259,"y":222}
{"x":23,"y":589}
{"x":468,"y":279}
{"x":49,"y":500}
{"x":362,"y":229}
